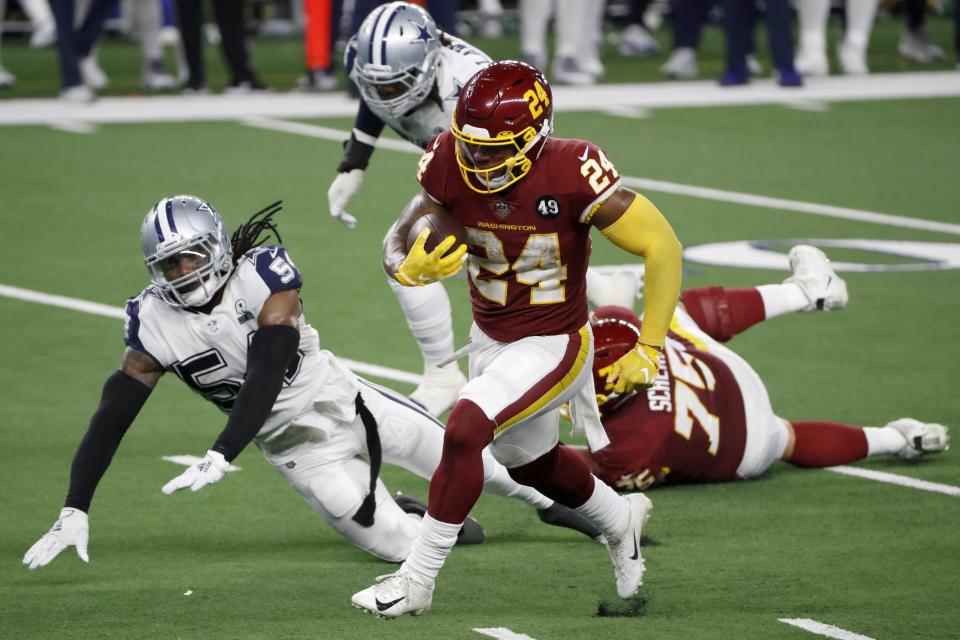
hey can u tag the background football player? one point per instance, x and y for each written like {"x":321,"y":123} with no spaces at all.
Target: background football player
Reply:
{"x":409,"y":75}
{"x":708,"y":417}
{"x":527,"y":201}
{"x":225,"y":317}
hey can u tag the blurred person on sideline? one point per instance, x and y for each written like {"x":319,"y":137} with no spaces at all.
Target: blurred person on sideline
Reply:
{"x":813,"y":15}
{"x":229,"y":15}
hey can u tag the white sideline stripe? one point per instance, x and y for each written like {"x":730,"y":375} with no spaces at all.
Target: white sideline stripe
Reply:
{"x":325,"y":133}
{"x":97,"y":309}
{"x":797,"y":206}
{"x":660,"y":186}
{"x":653,"y":95}
{"x":73,"y":126}
{"x":502,"y":633}
{"x":893,"y":478}
{"x":822,"y":629}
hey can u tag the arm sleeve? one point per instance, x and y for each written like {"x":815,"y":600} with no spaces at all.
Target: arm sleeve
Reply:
{"x":642,"y":230}
{"x":120,"y":402}
{"x":359,"y":147}
{"x":271,"y":351}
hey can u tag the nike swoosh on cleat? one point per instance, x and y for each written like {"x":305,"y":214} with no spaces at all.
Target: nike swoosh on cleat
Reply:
{"x":583,"y":157}
{"x":635,"y":556}
{"x":383,"y":606}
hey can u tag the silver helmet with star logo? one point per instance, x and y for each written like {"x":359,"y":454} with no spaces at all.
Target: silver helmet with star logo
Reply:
{"x":395,"y":57}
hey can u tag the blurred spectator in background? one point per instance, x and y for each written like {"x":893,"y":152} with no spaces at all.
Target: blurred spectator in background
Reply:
{"x":688,"y":19}
{"x":578,"y":26}
{"x":147,"y":21}
{"x":811,"y":56}
{"x":636,"y":41}
{"x":738,"y":23}
{"x":80,"y":75}
{"x":7,"y":79}
{"x":915,"y":43}
{"x":233,"y":43}
{"x":322,"y":18}
{"x":42,"y":25}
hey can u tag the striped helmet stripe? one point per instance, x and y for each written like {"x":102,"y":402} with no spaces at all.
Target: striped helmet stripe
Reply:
{"x":170,"y":223}
{"x":156,"y":225}
{"x":379,"y":30}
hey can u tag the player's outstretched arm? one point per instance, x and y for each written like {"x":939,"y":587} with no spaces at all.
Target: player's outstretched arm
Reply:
{"x":634,"y":224}
{"x":124,"y":393}
{"x":417,"y":267}
{"x":272,"y":349}
{"x":356,"y":157}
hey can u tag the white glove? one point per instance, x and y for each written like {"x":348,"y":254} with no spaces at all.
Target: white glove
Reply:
{"x":71,"y":528}
{"x":344,"y":187}
{"x":209,"y":470}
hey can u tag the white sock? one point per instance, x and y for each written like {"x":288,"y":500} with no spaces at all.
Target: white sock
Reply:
{"x":427,"y":310}
{"x":497,"y":480}
{"x":812,"y":16}
{"x":860,"y":14}
{"x":781,"y":299}
{"x":38,"y":11}
{"x":534,"y":15}
{"x":148,"y":20}
{"x":570,"y":27}
{"x":883,"y":440}
{"x":430,"y":549}
{"x":606,"y":510}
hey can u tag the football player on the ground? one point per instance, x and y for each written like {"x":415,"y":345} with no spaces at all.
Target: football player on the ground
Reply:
{"x":708,"y":418}
{"x":225,"y":317}
{"x":527,"y":202}
{"x":410,"y":74}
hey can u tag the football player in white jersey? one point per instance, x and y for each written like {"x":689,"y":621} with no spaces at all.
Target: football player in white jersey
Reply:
{"x":225,"y":317}
{"x":409,"y":74}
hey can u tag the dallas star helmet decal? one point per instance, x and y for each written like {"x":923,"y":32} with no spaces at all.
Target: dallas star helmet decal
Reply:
{"x":423,"y":36}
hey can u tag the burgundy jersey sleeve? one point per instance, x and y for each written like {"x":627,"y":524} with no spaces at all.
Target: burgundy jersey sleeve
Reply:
{"x":586,"y":175}
{"x":437,"y":166}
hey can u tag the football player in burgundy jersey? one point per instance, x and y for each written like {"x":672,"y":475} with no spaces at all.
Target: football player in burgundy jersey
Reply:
{"x":527,"y":202}
{"x":410,"y":75}
{"x":708,"y":418}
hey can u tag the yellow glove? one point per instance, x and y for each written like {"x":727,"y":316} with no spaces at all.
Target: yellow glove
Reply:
{"x":420,"y":268}
{"x":635,"y":370}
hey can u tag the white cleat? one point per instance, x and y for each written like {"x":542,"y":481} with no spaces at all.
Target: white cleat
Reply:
{"x":628,"y":564}
{"x":7,"y":79}
{"x":93,"y":76}
{"x":682,"y":64}
{"x":44,"y":35}
{"x":567,"y":71}
{"x":917,"y":46}
{"x":439,"y":388}
{"x":811,"y":61}
{"x":618,"y":288}
{"x":79,"y":94}
{"x":394,"y":595}
{"x":921,"y":437}
{"x":853,"y":59}
{"x":824,"y":289}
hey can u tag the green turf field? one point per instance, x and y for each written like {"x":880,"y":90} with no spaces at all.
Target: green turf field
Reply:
{"x":730,"y":560}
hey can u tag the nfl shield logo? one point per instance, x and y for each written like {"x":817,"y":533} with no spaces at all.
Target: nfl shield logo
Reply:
{"x":501,"y":210}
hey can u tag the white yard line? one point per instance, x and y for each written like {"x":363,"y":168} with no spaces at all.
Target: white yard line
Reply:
{"x":659,"y":186}
{"x":501,"y":633}
{"x":893,"y":478}
{"x":97,"y":309}
{"x":653,"y":95}
{"x":822,"y":629}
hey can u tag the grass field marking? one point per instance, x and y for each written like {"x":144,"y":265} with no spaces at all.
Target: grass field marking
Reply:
{"x":822,"y":629}
{"x":893,"y":478}
{"x":651,"y":95}
{"x":97,"y":309}
{"x":646,"y":184}
{"x":502,"y":633}
{"x":324,"y":133}
{"x":73,"y":126}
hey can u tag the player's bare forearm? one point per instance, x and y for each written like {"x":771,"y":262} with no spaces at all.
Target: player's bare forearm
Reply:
{"x":141,"y":367}
{"x":395,"y":245}
{"x":634,"y":224}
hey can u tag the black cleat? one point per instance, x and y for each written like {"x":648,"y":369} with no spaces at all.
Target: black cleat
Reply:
{"x":470,"y":533}
{"x":561,"y":516}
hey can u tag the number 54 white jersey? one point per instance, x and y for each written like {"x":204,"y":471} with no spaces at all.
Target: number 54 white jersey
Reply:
{"x":209,"y":351}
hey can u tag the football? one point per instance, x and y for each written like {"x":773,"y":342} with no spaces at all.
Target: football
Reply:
{"x":441,"y":225}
